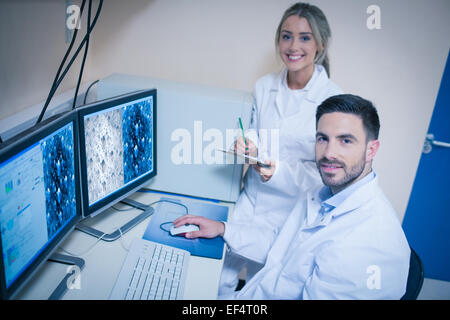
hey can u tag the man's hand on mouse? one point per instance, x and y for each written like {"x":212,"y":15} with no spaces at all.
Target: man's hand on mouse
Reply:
{"x":208,"y":228}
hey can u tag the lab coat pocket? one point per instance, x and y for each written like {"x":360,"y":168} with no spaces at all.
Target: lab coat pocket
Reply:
{"x":298,"y":267}
{"x":303,"y":148}
{"x":298,"y":139}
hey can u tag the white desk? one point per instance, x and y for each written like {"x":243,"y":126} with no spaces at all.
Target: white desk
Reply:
{"x":104,"y":261}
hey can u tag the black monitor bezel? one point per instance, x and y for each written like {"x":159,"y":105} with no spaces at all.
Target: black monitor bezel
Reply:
{"x":11,"y":148}
{"x":115,"y":197}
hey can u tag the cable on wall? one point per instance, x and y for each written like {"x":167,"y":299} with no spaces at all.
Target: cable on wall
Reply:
{"x":59,"y":79}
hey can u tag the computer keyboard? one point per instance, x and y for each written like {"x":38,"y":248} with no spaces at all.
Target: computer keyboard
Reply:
{"x":152,"y":271}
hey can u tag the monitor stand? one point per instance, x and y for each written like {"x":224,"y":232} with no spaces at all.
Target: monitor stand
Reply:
{"x":63,"y":285}
{"x":147,"y":212}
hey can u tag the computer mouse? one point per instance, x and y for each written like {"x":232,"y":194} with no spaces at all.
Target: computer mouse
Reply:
{"x":181,"y":231}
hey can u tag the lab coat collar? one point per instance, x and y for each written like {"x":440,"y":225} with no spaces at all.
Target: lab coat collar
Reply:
{"x":359,"y":197}
{"x":313,"y":87}
{"x":276,"y":89}
{"x":319,"y":82}
{"x":333,"y":201}
{"x":322,"y":76}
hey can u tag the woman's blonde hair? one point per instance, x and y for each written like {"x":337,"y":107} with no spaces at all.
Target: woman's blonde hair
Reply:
{"x":319,"y":26}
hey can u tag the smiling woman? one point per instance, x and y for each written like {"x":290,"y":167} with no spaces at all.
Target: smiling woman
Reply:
{"x":312,"y":26}
{"x":297,"y":48}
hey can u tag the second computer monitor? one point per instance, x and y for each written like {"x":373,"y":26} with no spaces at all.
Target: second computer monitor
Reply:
{"x":117,"y":148}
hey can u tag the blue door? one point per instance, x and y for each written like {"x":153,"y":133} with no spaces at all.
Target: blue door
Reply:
{"x":427,"y":218}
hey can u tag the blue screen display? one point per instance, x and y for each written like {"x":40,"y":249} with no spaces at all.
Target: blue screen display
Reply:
{"x":137,"y":134}
{"x":59,"y":179}
{"x":37,"y":199}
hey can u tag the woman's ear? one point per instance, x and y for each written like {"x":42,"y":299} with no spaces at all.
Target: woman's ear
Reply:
{"x":324,"y":46}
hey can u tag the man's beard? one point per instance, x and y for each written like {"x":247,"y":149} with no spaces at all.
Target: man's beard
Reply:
{"x":351,"y":174}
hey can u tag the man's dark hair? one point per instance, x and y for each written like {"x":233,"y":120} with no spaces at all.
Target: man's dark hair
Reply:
{"x":348,"y":103}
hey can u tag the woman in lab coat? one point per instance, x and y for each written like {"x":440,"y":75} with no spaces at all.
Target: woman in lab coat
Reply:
{"x":282,"y":132}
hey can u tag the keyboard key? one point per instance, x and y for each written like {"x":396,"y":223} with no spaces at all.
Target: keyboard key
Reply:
{"x":129,"y":295}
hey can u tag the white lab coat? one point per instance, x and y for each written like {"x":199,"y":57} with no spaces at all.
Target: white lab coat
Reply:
{"x":267,"y":204}
{"x":356,"y":251}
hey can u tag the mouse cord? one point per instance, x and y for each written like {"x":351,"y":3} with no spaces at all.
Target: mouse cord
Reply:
{"x":122,"y":241}
{"x":162,"y":225}
{"x":85,"y":252}
{"x":88,"y":250}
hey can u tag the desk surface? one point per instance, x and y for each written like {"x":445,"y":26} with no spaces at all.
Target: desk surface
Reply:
{"x":104,"y":260}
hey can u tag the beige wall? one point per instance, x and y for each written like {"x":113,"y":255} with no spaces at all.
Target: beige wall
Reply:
{"x":32,"y":35}
{"x":230,"y":43}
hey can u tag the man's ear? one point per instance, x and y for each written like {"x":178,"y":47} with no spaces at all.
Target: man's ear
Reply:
{"x":372,"y":148}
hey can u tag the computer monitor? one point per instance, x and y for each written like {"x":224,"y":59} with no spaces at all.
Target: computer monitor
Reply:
{"x":40,"y":199}
{"x":117,"y":153}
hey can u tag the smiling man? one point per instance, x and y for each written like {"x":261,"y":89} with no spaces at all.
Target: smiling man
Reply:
{"x":346,"y":141}
{"x":342,"y":241}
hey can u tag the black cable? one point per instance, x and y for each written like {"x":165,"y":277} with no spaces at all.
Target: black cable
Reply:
{"x":71,"y":61}
{"x":84,"y":57}
{"x":75,"y":54}
{"x":1,"y":140}
{"x":87,"y":90}
{"x":49,"y":96}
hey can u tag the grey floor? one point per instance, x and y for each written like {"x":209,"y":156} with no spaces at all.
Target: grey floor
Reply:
{"x":434,"y":290}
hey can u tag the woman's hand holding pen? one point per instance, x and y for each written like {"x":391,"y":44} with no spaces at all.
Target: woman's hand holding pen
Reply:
{"x":265,"y":173}
{"x":240,"y":147}
{"x":250,"y":149}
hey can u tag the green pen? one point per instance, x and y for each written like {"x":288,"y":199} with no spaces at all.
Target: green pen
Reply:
{"x":243,"y":135}
{"x":263,"y":165}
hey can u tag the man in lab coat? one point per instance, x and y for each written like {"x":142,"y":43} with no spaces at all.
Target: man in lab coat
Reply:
{"x":342,"y":241}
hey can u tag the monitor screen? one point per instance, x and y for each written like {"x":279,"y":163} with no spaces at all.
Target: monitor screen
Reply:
{"x":117,"y":148}
{"x":39,"y":197}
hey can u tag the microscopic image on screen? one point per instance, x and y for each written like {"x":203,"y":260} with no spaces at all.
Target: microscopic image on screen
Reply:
{"x":59,"y":179}
{"x":137,"y":139}
{"x":104,"y":153}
